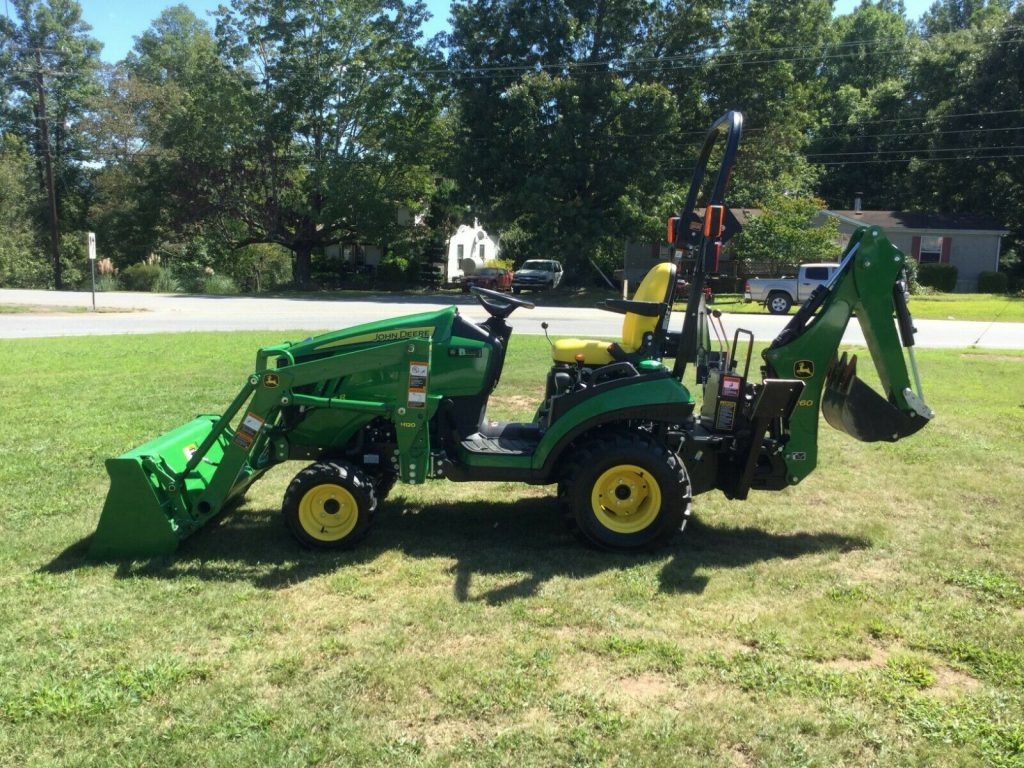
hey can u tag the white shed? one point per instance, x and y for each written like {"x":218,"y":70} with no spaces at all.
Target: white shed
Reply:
{"x":468,"y":250}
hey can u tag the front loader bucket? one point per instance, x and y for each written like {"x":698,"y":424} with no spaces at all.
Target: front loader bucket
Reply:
{"x":148,"y":509}
{"x":851,"y":406}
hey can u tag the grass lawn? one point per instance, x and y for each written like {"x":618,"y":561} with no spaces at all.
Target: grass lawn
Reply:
{"x":872,"y":616}
{"x":12,"y":309}
{"x":946,"y":306}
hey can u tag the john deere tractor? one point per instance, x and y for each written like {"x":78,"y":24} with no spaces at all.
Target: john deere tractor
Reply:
{"x":626,"y":441}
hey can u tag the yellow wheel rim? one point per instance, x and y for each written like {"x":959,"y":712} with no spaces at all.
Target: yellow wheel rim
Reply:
{"x":626,"y":499}
{"x":328,"y":512}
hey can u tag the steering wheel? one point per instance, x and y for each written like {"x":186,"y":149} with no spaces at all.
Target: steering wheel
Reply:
{"x":498,"y":304}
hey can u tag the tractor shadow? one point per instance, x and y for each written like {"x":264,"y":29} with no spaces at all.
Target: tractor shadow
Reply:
{"x":518,"y":537}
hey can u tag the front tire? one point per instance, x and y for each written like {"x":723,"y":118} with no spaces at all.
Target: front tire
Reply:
{"x":626,"y":493}
{"x":329,"y":505}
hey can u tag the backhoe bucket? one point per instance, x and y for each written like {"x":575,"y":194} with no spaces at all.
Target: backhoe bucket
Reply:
{"x":851,"y":406}
{"x":148,"y":510}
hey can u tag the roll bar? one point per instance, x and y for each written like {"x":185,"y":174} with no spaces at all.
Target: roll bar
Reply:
{"x":731,"y":124}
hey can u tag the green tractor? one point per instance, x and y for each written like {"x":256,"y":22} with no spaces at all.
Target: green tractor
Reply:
{"x":618,"y":431}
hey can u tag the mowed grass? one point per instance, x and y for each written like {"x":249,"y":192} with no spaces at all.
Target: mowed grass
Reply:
{"x":873,"y":615}
{"x":944,"y":306}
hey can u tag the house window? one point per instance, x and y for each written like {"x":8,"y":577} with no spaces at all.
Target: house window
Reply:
{"x":462,"y":250}
{"x":483,"y":252}
{"x":931,"y":250}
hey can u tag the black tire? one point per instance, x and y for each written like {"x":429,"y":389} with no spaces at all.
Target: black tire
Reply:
{"x":329,"y":505}
{"x":778,"y":303}
{"x":626,"y":493}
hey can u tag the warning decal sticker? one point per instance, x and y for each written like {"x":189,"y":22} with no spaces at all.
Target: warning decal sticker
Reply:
{"x":247,"y":430}
{"x":418,"y":374}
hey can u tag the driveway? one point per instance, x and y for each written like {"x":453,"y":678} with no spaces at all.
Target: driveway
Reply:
{"x":176,"y":313}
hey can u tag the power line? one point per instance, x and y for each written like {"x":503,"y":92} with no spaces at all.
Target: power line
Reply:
{"x":710,"y":56}
{"x":904,"y":151}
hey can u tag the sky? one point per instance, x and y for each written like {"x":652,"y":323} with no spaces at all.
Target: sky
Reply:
{"x":115,"y":22}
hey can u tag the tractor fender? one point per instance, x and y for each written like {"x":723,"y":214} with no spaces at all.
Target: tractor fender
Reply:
{"x":661,"y":400}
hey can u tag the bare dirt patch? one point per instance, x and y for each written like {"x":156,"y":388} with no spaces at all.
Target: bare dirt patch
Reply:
{"x":876,"y":659}
{"x":645,"y":687}
{"x":739,"y":756}
{"x":951,"y":682}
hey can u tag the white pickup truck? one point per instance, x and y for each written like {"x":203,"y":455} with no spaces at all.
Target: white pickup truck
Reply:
{"x":778,"y":294}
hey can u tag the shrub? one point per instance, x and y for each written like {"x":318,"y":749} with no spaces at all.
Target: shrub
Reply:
{"x":941,"y":277}
{"x":993,"y":282}
{"x":107,"y":282}
{"x":392,"y":269}
{"x":219,"y":284}
{"x":911,"y":266}
{"x":166,"y":283}
{"x":141,"y":277}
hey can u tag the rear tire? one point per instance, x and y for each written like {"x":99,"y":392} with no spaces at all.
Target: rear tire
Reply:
{"x":329,"y":505}
{"x":626,"y":493}
{"x":779,"y":303}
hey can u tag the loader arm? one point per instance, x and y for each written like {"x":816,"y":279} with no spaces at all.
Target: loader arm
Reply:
{"x":869,"y":285}
{"x":167,"y":489}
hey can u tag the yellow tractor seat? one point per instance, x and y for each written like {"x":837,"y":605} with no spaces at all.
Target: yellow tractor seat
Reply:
{"x":643,"y":316}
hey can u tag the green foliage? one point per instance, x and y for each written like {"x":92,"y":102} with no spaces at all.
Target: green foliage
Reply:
{"x":993,"y":282}
{"x":517,"y":244}
{"x":220,"y":285}
{"x":789,"y":231}
{"x":68,"y":59}
{"x":107,"y":283}
{"x":565,"y":155}
{"x":911,"y":266}
{"x":142,"y":277}
{"x":259,"y":267}
{"x":23,"y":261}
{"x":393,"y":269}
{"x":500,"y":263}
{"x":333,"y":139}
{"x":941,"y":277}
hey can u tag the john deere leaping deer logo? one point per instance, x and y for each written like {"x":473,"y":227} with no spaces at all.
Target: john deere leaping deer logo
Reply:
{"x":803,"y":369}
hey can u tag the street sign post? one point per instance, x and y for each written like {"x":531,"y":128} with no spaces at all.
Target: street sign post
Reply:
{"x":92,"y":263}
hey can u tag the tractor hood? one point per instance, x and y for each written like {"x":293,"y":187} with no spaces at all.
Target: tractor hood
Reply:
{"x":424,"y":325}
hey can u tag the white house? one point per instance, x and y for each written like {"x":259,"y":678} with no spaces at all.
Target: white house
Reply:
{"x":468,"y":250}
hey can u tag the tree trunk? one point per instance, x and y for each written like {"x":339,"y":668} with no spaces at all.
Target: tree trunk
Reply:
{"x":303,"y":268}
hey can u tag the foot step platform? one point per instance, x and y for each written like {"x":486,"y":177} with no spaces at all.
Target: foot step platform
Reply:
{"x":507,"y":439}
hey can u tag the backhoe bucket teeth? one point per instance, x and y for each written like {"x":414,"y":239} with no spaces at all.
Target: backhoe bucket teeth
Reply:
{"x":851,"y":406}
{"x":148,"y":510}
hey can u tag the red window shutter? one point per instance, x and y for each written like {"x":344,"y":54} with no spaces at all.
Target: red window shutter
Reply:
{"x":947,"y":248}
{"x":915,"y":247}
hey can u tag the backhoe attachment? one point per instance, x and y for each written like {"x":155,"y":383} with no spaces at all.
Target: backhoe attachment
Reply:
{"x":870,"y":285}
{"x":851,"y":406}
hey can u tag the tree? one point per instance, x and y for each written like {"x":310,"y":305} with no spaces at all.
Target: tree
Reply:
{"x":563,"y":136}
{"x":769,"y":69}
{"x":315,"y":128}
{"x":789,"y":231}
{"x":21,"y":261}
{"x":953,"y":15}
{"x":865,"y":117}
{"x":973,"y":164}
{"x":53,"y":57}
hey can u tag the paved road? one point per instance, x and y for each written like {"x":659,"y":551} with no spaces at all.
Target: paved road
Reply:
{"x":159,"y":313}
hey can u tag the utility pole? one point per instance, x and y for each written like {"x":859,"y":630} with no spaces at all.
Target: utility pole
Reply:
{"x":51,"y":190}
